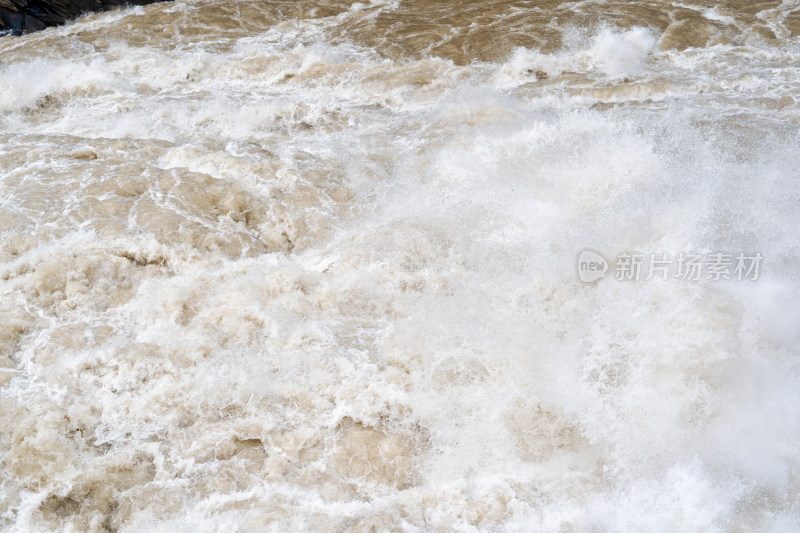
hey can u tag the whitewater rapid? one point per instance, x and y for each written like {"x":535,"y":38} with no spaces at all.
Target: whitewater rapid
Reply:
{"x":289,"y":266}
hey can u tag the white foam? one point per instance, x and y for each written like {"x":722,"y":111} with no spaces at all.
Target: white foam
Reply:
{"x":283,"y":283}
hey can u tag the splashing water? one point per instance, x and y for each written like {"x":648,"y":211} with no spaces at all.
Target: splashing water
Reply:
{"x":310,"y":265}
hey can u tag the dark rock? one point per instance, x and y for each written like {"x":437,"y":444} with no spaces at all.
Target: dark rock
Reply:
{"x":25,"y":16}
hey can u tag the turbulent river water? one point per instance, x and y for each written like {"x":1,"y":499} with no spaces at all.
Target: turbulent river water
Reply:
{"x":311,"y":265}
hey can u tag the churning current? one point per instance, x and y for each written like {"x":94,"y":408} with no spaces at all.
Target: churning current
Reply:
{"x":406,"y":265}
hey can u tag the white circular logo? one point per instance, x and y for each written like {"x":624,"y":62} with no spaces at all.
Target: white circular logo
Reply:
{"x":591,"y":266}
